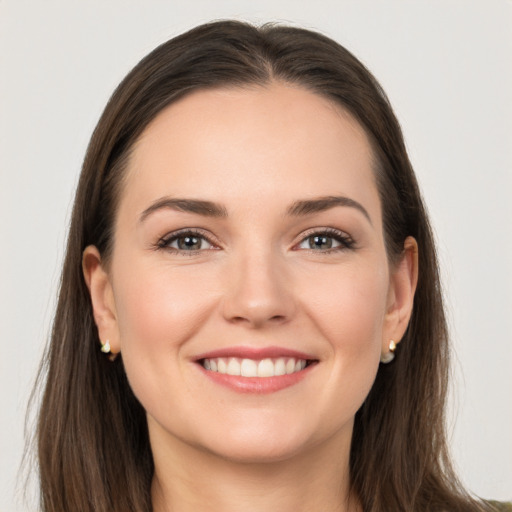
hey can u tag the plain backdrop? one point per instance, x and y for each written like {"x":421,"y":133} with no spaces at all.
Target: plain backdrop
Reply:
{"x":447,"y":68}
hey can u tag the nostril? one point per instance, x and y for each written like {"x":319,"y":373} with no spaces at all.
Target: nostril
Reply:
{"x":258,"y":320}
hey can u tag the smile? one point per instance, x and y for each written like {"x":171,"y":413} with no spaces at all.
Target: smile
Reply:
{"x":256,"y":370}
{"x":244,"y":367}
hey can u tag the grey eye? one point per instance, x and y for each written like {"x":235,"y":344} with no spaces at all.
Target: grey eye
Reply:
{"x":326,"y":241}
{"x":320,"y":242}
{"x":188,"y":243}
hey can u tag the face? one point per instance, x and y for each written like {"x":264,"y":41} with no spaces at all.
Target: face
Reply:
{"x":249,"y":289}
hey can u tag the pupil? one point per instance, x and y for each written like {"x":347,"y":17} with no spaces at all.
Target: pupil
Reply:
{"x":320,"y":242}
{"x":189,"y":242}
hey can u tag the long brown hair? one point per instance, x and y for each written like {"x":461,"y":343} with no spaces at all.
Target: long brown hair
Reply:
{"x":93,"y":446}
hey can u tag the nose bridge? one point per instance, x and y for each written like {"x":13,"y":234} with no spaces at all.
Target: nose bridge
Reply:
{"x":258,"y":289}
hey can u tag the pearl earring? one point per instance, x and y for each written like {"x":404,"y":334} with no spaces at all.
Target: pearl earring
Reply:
{"x":105,"y":348}
{"x":389,"y":356}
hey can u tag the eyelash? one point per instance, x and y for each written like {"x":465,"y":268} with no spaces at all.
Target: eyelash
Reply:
{"x":345,"y":241}
{"x":166,"y":241}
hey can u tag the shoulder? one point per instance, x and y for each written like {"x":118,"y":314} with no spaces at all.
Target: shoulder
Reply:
{"x":500,"y":506}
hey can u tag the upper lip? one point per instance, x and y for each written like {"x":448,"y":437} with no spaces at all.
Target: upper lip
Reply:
{"x":256,"y":353}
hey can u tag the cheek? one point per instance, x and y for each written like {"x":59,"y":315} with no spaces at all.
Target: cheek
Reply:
{"x":349,"y":312}
{"x":158,"y":308}
{"x":158,"y":311}
{"x":349,"y":307}
{"x":346,"y":308}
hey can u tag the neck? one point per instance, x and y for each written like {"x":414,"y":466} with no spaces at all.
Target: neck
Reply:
{"x":188,"y":479}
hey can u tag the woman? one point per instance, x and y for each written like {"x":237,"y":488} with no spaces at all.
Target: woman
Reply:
{"x":247,"y":255}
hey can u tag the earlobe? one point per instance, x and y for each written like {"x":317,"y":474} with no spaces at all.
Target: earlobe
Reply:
{"x":403,"y":281}
{"x":102,"y":298}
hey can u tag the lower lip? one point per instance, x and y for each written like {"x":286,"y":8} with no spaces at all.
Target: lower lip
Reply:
{"x":257,"y":385}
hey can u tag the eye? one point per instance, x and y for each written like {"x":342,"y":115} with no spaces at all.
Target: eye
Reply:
{"x":186,"y":241}
{"x":326,"y":241}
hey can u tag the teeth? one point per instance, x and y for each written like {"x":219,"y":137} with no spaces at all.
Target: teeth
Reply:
{"x":251,"y":368}
{"x":280,"y":367}
{"x":300,"y":365}
{"x":290,"y":366}
{"x":248,"y":368}
{"x":266,"y":368}
{"x":233,"y":367}
{"x":222,"y":367}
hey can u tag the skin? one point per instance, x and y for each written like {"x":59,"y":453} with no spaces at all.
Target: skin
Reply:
{"x":258,"y":281}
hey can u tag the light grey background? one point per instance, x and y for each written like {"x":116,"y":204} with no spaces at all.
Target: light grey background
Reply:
{"x":447,"y":67}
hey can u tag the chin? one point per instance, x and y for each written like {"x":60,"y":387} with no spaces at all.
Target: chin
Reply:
{"x":257,"y":453}
{"x":261,"y":444}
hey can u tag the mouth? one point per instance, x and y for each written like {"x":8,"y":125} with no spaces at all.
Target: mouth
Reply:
{"x":245,"y":367}
{"x":252,"y":370}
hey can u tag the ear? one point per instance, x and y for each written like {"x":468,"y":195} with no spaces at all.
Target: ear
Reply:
{"x":403,"y":281}
{"x":102,"y":298}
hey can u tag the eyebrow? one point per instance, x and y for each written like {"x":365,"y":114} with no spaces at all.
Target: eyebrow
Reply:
{"x":200,"y":207}
{"x":211,"y":209}
{"x":321,"y":204}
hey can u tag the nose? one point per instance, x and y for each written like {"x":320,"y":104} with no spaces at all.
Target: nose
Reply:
{"x":259,"y":292}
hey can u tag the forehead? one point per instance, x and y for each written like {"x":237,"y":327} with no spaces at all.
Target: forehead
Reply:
{"x":275,"y":142}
